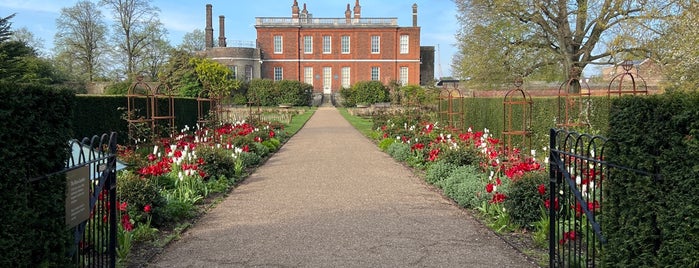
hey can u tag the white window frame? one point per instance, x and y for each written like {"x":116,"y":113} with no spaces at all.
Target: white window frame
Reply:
{"x":248,"y":73}
{"x":375,"y":44}
{"x":234,"y":71}
{"x":403,"y":76}
{"x":327,"y":44}
{"x":278,"y":44}
{"x":308,"y":75}
{"x":327,"y":77}
{"x":404,"y":44}
{"x":346,"y":77}
{"x":345,"y":44}
{"x":308,"y":44}
{"x":278,"y":73}
{"x":375,"y":73}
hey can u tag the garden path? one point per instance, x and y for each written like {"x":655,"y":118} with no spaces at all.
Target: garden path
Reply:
{"x":330,"y":198}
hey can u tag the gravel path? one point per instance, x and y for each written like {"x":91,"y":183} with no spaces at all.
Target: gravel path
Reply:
{"x":330,"y":198}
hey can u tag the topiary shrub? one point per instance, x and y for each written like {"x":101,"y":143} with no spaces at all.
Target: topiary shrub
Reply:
{"x":438,"y":171}
{"x":524,"y":201}
{"x":293,"y":92}
{"x":249,"y":159}
{"x":261,"y":91}
{"x":399,"y":151}
{"x":365,"y":92}
{"x":217,"y":162}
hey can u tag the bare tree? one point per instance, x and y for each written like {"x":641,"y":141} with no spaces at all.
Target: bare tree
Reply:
{"x":27,"y":37}
{"x":135,"y":21}
{"x":193,"y":41}
{"x":566,"y":34}
{"x":81,"y":34}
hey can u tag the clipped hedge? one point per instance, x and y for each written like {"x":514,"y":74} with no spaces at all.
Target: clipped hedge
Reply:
{"x":480,"y":113}
{"x":652,"y":221}
{"x":35,"y":124}
{"x":103,"y":114}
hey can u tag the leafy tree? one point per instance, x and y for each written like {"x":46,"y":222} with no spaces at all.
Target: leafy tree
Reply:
{"x":179,"y":73}
{"x":193,"y":41}
{"x":215,"y":77}
{"x":524,"y":37}
{"x":81,"y":34}
{"x":136,"y":23}
{"x":677,"y":50}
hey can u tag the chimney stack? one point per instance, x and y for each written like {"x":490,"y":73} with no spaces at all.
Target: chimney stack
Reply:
{"x":415,"y":15}
{"x":221,"y":31}
{"x":209,"y":30}
{"x":348,"y":14}
{"x":357,"y":10}
{"x":295,"y":10}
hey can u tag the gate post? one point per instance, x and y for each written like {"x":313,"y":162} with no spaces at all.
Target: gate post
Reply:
{"x":552,"y":197}
{"x":112,"y":186}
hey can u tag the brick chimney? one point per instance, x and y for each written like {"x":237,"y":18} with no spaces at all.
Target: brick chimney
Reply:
{"x":304,"y":12}
{"x":415,"y":15}
{"x":348,"y":14}
{"x":221,"y":31}
{"x":357,"y":10}
{"x":295,"y":10}
{"x":209,"y":30}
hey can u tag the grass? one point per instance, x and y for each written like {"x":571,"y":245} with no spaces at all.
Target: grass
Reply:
{"x":298,"y":121}
{"x":364,"y":125}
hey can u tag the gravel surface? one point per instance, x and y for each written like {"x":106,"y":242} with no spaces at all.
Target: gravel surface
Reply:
{"x":330,"y":198}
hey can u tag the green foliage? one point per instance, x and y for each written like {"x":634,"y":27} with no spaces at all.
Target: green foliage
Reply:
{"x":438,"y":171}
{"x":218,"y":162}
{"x":103,"y":114}
{"x":138,"y":193}
{"x":524,"y":202}
{"x":250,"y":159}
{"x":215,"y":77}
{"x":293,"y":92}
{"x":261,"y":91}
{"x":466,"y":186}
{"x":656,"y":134}
{"x":35,"y":122}
{"x":239,"y":99}
{"x":385,"y":143}
{"x":118,"y":88}
{"x":399,"y":151}
{"x":461,"y":156}
{"x":365,"y":92}
{"x":179,"y":73}
{"x":481,"y":113}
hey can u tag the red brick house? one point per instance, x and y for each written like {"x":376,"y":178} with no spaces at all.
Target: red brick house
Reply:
{"x":331,"y":53}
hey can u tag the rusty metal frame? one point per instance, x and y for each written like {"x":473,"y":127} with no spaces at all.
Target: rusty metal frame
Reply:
{"x":454,"y":118}
{"x":520,"y":101}
{"x":573,"y":110}
{"x":166,"y":94}
{"x":139,"y":90}
{"x":619,"y":79}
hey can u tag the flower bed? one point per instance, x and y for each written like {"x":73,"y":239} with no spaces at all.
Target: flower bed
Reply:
{"x":169,"y":182}
{"x":506,"y":186}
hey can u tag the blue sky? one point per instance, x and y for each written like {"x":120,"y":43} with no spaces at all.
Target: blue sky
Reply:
{"x":437,"y":18}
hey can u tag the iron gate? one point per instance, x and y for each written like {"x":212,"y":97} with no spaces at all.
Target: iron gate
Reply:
{"x":95,"y":238}
{"x":577,"y":171}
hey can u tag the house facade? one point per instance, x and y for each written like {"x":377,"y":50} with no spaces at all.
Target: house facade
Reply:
{"x":332,"y":53}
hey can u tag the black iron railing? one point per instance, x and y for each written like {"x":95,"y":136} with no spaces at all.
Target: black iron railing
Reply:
{"x":95,"y":238}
